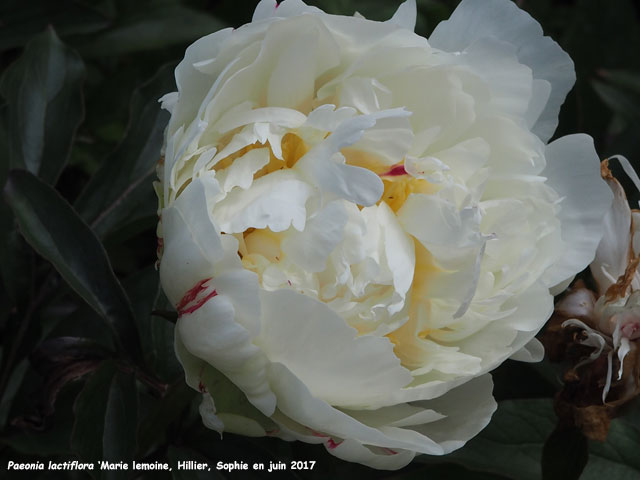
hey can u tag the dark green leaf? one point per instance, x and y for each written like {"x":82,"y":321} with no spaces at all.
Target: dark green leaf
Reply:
{"x":89,"y":409}
{"x":620,"y":101}
{"x":162,"y":352}
{"x":169,"y":409}
{"x":54,"y":440}
{"x":43,"y":90}
{"x":617,"y":458}
{"x":120,"y":423}
{"x":22,"y":19}
{"x":15,"y":259}
{"x":106,"y":413}
{"x":153,"y":28}
{"x":61,"y":360}
{"x":565,"y":454}
{"x":4,"y":143}
{"x":55,"y":230}
{"x":156,"y":334}
{"x":444,"y":472}
{"x":623,"y":79}
{"x":15,"y":380}
{"x":512,"y":443}
{"x":125,"y":177}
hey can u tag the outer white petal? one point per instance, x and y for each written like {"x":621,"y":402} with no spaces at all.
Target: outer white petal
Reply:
{"x":381,"y":459}
{"x":573,"y":170}
{"x":531,"y":352}
{"x":207,"y":411}
{"x":213,"y":333}
{"x":376,"y":438}
{"x":502,"y":19}
{"x":311,"y":50}
{"x":314,"y":343}
{"x":290,"y":8}
{"x":264,"y":9}
{"x":347,"y":449}
{"x":296,"y":401}
{"x":192,"y":245}
{"x":509,"y":81}
{"x":467,"y":411}
{"x":192,"y":84}
{"x":405,"y":16}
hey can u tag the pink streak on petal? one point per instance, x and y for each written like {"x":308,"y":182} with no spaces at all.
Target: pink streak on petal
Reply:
{"x":331,"y":444}
{"x":187,"y":305}
{"x":395,"y":171}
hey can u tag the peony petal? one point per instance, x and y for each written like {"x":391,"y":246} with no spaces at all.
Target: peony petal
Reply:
{"x":532,"y":352}
{"x":347,"y":449}
{"x":327,"y":356}
{"x":290,"y":8}
{"x":398,"y":249}
{"x":309,"y":51}
{"x":239,"y":117}
{"x":207,"y":410}
{"x":381,"y":459}
{"x":573,"y":170}
{"x":324,"y":166}
{"x":240,"y":172}
{"x":440,"y":226}
{"x":297,"y":402}
{"x":503,"y":20}
{"x":401,"y":415}
{"x":310,"y":248}
{"x":212,"y":333}
{"x":467,"y":409}
{"x":264,"y":9}
{"x":192,"y":243}
{"x":192,"y":84}
{"x":275,"y":201}
{"x":405,"y":15}
{"x":509,"y":82}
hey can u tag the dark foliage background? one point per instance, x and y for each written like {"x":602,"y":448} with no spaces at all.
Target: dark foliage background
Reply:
{"x":87,"y":365}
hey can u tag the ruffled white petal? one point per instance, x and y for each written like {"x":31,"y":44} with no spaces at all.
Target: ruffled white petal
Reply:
{"x":503,"y":20}
{"x":311,"y":248}
{"x":276,"y":201}
{"x":573,"y":170}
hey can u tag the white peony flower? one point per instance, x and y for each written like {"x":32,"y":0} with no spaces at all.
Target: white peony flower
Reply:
{"x":358,"y":223}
